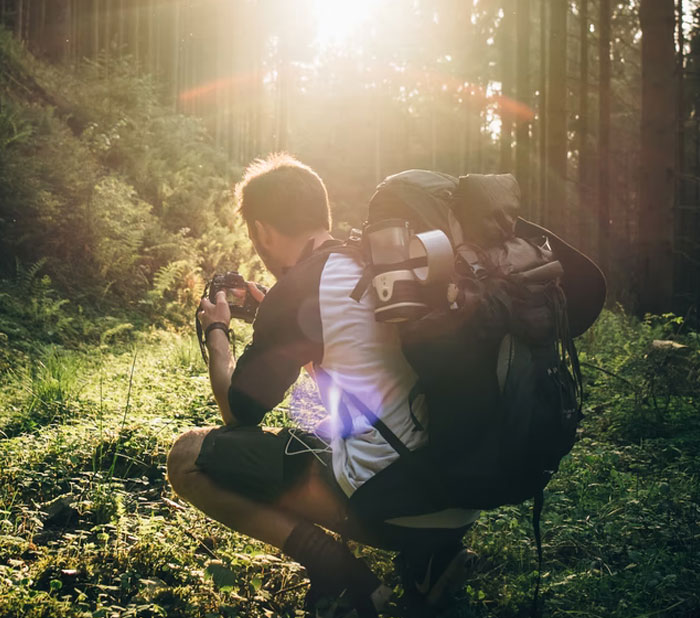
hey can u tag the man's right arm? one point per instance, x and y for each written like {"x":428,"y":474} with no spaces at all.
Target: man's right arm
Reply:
{"x":221,"y":361}
{"x":221,"y":366}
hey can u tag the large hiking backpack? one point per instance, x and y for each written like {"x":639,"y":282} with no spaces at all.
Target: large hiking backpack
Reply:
{"x":496,"y":361}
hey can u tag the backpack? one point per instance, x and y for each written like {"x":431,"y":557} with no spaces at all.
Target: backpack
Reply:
{"x":495,"y":360}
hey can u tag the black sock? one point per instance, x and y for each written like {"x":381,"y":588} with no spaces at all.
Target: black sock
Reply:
{"x":330,"y":565}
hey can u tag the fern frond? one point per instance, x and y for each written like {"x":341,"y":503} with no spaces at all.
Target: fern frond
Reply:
{"x":26,"y":276}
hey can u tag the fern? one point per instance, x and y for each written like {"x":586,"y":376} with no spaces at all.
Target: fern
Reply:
{"x":166,"y":278}
{"x":26,"y":276}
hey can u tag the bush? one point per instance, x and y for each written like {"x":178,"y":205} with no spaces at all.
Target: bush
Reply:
{"x":125,"y":203}
{"x":643,"y":375}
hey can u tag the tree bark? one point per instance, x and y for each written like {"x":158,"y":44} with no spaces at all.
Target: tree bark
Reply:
{"x":658,"y":155}
{"x":556,"y":142}
{"x":135,"y":30}
{"x":680,"y":163}
{"x":175,"y":60}
{"x":604,"y":137}
{"x":542,"y":111}
{"x":522,"y":87}
{"x":95,"y":28}
{"x":506,"y":53}
{"x":19,"y":23}
{"x":120,"y":28}
{"x":584,"y":189}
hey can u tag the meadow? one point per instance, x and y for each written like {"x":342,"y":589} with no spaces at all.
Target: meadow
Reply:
{"x":90,"y":528}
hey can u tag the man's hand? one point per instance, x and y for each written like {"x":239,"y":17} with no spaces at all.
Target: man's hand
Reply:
{"x":210,"y":312}
{"x":255,"y":291}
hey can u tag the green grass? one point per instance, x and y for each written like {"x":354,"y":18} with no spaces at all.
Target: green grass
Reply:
{"x":89,"y":526}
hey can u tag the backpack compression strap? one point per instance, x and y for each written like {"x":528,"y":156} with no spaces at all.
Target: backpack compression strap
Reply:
{"x":371,"y":271}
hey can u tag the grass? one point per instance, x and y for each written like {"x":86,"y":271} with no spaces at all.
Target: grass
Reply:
{"x":90,"y":528}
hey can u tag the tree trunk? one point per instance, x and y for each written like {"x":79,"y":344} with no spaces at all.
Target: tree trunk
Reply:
{"x":680,"y":163}
{"x":522,"y":123}
{"x":120,"y":28}
{"x":175,"y":60}
{"x":95,"y":28}
{"x":19,"y":23}
{"x":506,"y":53}
{"x":555,"y":206}
{"x":658,"y":137}
{"x":258,"y":90}
{"x":42,"y":26}
{"x":584,"y":189}
{"x":136,"y":30}
{"x":542,"y":111}
{"x":283,"y":94}
{"x":604,"y":137}
{"x":151,"y":54}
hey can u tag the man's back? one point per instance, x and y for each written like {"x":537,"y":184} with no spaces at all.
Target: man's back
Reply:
{"x":308,"y":316}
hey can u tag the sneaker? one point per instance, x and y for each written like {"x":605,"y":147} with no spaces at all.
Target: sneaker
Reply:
{"x":428,"y":580}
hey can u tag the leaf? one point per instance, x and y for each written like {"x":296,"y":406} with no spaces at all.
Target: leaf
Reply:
{"x":223,"y":577}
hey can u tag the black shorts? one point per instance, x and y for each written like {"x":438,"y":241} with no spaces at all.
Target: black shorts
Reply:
{"x":263,"y":464}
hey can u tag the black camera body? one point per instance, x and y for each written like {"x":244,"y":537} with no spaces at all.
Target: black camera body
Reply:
{"x":242,"y":308}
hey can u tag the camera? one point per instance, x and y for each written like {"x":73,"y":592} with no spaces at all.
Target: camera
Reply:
{"x":243,"y":307}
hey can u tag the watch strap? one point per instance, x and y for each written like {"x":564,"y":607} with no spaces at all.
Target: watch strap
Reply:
{"x":217,"y":326}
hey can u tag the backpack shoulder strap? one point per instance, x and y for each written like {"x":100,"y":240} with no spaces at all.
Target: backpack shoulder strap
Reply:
{"x":374,"y":420}
{"x":353,"y":247}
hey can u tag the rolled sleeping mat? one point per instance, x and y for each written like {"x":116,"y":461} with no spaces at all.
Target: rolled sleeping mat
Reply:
{"x":583,"y":282}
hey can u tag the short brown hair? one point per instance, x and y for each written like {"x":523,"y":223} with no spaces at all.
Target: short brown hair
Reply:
{"x":285,"y":193}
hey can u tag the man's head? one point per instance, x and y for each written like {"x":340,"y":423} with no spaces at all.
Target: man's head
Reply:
{"x":283,"y":203}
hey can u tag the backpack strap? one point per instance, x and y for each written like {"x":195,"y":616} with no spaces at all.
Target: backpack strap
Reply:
{"x":415,"y":391}
{"x":362,"y":285}
{"x":374,"y":420}
{"x":353,"y":247}
{"x":536,"y":516}
{"x":379,"y":425}
{"x":371,"y":271}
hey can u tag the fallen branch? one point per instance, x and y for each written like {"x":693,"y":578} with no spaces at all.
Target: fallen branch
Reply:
{"x":610,"y":373}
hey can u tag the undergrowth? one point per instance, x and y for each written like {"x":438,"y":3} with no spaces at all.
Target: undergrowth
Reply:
{"x":91,"y":528}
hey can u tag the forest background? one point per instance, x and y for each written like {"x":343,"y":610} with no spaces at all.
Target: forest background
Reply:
{"x":124,"y":125}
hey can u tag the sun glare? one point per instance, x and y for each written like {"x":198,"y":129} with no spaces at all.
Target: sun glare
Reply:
{"x":338,"y":20}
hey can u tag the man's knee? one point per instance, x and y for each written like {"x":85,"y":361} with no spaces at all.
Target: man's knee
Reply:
{"x":182,"y":470}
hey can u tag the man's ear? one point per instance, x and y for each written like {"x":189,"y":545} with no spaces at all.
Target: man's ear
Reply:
{"x":262,"y":234}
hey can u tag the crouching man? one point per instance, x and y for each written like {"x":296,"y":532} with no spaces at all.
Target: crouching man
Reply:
{"x":284,"y":487}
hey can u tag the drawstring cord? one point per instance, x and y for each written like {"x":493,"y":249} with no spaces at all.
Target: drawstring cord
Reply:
{"x":307,"y":447}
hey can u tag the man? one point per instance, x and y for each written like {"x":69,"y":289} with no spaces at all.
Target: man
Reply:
{"x":276,"y":487}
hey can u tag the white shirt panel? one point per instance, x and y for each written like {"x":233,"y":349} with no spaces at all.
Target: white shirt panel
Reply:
{"x":364,"y":357}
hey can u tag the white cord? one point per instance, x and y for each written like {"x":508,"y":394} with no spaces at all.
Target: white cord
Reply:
{"x":309,"y":449}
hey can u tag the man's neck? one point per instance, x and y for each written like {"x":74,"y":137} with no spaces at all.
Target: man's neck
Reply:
{"x":299,"y":243}
{"x":318,"y":239}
